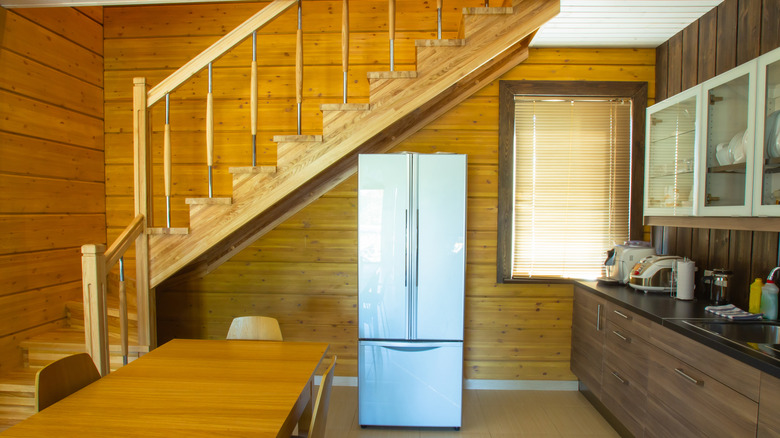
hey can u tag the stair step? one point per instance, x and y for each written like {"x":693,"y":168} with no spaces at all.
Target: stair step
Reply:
{"x":440,"y":43}
{"x":178,"y":231}
{"x":335,"y":116}
{"x":378,"y":80}
{"x":489,"y":11}
{"x":243,"y":175}
{"x":406,"y":74}
{"x":253,"y":170}
{"x":287,"y":152}
{"x":344,"y":107}
{"x":297,"y":138}
{"x":208,"y":201}
{"x":18,"y":380}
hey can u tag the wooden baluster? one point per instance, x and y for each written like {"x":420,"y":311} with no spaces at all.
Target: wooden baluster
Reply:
{"x":345,"y":44}
{"x":253,"y":98}
{"x":167,"y":165}
{"x":439,"y":6}
{"x":142,"y":174}
{"x":210,"y":134}
{"x":391,"y":11}
{"x":299,"y":66}
{"x":93,"y":265}
{"x":123,"y":335}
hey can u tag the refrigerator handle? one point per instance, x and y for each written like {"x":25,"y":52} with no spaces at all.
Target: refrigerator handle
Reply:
{"x":406,"y":247}
{"x":417,"y":252}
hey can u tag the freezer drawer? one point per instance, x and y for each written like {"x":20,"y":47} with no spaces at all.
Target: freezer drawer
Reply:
{"x":410,"y":384}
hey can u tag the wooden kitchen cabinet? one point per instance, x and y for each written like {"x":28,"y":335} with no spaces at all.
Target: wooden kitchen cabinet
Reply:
{"x":766,"y":183}
{"x":769,"y":407}
{"x":587,"y":339}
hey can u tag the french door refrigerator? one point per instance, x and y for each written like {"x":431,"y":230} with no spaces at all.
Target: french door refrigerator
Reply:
{"x":411,"y":279}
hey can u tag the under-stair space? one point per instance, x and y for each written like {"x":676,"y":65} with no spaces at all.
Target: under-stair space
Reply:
{"x":17,"y":386}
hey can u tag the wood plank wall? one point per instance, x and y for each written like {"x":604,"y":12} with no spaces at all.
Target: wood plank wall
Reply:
{"x":52,"y":189}
{"x":729,"y":35}
{"x":304,"y":271}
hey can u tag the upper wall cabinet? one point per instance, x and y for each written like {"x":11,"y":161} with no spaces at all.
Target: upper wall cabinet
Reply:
{"x":714,"y":149}
{"x":670,"y":155}
{"x":766,"y":195}
{"x":726,"y":149}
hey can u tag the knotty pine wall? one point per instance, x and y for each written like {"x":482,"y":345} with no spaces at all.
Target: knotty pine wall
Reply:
{"x":52,"y":183}
{"x":304,"y":271}
{"x":735,"y":32}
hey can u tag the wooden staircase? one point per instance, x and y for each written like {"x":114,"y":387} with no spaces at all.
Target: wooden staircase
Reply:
{"x":17,"y":386}
{"x":491,"y":41}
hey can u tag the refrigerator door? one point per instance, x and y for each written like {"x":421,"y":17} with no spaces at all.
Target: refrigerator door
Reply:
{"x":383,"y":246}
{"x":441,"y":248}
{"x":410,"y":384}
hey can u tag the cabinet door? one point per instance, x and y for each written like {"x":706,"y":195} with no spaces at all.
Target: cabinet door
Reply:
{"x":383,"y":246}
{"x":727,"y":146}
{"x":683,"y":401}
{"x":766,"y":191}
{"x":587,"y":339}
{"x":670,"y":159}
{"x":769,"y":407}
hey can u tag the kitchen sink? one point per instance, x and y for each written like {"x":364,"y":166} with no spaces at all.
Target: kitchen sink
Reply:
{"x":752,"y":332}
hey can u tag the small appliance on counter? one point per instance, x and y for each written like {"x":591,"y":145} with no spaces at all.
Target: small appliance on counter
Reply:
{"x":654,"y":273}
{"x":622,"y":258}
{"x":716,"y":282}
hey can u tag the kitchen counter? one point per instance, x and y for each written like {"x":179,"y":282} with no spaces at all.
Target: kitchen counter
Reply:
{"x":662,"y":309}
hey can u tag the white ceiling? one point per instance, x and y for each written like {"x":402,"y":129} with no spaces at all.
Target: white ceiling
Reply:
{"x":581,"y":23}
{"x":619,"y":23}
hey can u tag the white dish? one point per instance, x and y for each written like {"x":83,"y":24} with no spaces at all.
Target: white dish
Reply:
{"x":772,"y":135}
{"x":735,"y":145}
{"x":722,"y":154}
{"x":739,"y":152}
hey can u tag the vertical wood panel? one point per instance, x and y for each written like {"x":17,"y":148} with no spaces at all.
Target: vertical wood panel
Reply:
{"x":740,"y":250}
{"x":661,"y":72}
{"x":700,"y":253}
{"x":764,"y":256}
{"x":770,"y":30}
{"x":685,"y":243}
{"x":719,"y":249}
{"x":749,"y":30}
{"x":675,"y":64}
{"x":726,"y":57}
{"x":708,"y":29}
{"x":671,"y":241}
{"x":690,"y":56}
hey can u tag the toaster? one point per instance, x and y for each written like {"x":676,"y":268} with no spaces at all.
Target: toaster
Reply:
{"x":654,"y":273}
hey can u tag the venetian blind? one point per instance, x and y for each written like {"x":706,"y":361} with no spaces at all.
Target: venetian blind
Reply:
{"x":572,"y":184}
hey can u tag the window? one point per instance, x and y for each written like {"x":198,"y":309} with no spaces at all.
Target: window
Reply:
{"x":570,"y":171}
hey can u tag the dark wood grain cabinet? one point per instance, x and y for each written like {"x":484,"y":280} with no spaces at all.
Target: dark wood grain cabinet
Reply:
{"x":587,"y":339}
{"x":769,"y":407}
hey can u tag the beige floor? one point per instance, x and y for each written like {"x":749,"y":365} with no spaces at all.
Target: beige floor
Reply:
{"x":487,"y":414}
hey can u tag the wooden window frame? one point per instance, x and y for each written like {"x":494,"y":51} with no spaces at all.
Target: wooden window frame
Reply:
{"x":636,"y":91}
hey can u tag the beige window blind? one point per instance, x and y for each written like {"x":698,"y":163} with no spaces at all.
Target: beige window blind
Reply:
{"x":572,"y":184}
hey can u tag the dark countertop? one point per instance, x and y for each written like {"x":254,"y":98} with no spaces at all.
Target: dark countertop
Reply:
{"x":662,"y":309}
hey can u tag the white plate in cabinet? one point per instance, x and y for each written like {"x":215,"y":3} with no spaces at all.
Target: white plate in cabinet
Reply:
{"x":766,"y":182}
{"x":671,"y":161}
{"x":728,"y":112}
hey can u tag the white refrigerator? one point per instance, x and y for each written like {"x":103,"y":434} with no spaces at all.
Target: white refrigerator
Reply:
{"x":411,"y":280}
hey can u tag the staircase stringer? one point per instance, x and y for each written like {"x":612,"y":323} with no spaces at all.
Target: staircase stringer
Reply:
{"x":500,"y":43}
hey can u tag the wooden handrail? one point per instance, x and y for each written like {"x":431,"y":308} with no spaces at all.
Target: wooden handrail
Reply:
{"x":216,"y":50}
{"x":124,"y":240}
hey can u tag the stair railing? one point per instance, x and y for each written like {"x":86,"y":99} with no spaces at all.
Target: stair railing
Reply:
{"x":96,"y":262}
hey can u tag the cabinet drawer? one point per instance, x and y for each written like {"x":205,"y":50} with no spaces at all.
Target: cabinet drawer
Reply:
{"x":625,"y":398}
{"x":769,"y":407}
{"x":684,"y":401}
{"x":628,"y":320}
{"x":731,"y":372}
{"x":627,"y":352}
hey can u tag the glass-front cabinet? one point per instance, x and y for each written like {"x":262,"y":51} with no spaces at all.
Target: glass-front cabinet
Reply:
{"x":670,"y":155}
{"x":766,"y":191}
{"x":727,"y":143}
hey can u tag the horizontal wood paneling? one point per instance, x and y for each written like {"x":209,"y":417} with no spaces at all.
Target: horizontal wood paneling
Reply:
{"x":52,"y":176}
{"x":735,"y":32}
{"x":304,"y":271}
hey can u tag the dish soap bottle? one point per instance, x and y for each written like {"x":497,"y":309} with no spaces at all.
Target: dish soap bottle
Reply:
{"x":769,"y":297}
{"x":754,"y":303}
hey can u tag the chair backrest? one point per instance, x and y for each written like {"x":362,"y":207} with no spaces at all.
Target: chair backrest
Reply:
{"x":258,"y":328}
{"x":63,"y":377}
{"x":320,"y":409}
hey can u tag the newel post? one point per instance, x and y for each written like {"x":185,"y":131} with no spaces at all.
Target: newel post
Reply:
{"x":93,"y":271}
{"x":142,"y":175}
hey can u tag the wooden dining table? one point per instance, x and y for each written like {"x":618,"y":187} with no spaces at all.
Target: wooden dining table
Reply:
{"x":192,"y":388}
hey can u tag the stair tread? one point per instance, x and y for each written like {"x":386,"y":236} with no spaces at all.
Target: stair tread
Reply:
{"x":208,"y":201}
{"x":440,"y":43}
{"x":252,"y":169}
{"x":504,"y":10}
{"x":21,"y":379}
{"x":165,"y":230}
{"x":406,"y":74}
{"x":66,"y":338}
{"x":345,"y":106}
{"x":297,"y":138}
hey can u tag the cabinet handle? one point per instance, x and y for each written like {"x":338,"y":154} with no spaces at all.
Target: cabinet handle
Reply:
{"x":598,"y":317}
{"x":621,"y":314}
{"x":689,"y":378}
{"x":620,"y":379}
{"x":619,"y":335}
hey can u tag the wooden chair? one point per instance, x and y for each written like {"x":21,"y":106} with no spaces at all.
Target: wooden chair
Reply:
{"x":63,"y":377}
{"x":320,"y":409}
{"x":258,"y":328}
